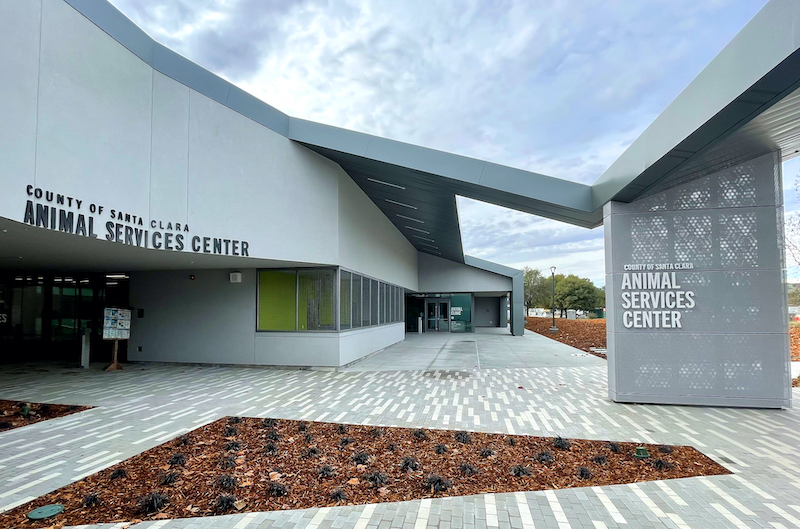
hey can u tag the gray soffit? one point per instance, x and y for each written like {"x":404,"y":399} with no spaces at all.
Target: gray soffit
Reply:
{"x":743,"y":104}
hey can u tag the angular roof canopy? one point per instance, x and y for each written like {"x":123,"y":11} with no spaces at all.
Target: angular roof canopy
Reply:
{"x":745,"y":103}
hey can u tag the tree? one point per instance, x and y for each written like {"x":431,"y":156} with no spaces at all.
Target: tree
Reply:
{"x":536,"y":288}
{"x":573,"y":292}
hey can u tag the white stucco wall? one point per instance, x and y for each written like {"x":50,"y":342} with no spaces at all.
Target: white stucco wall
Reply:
{"x":440,"y":275}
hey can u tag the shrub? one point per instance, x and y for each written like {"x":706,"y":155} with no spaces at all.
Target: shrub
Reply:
{"x":545,"y":457}
{"x":378,"y":479}
{"x":177,"y":460}
{"x":391,"y":447}
{"x":224,"y":503}
{"x":184,"y":440}
{"x":25,"y":410}
{"x":234,"y":420}
{"x":467,"y":469}
{"x":5,"y":425}
{"x":440,"y":448}
{"x":420,"y":434}
{"x":338,"y":495}
{"x":270,"y":448}
{"x":342,"y":429}
{"x":560,"y":443}
{"x":232,"y":446}
{"x":311,"y":452}
{"x":511,"y":441}
{"x":660,"y":464}
{"x":230,"y":431}
{"x":665,"y":449}
{"x":167,"y":478}
{"x":308,"y":438}
{"x":584,"y":473}
{"x":599,"y":459}
{"x":614,"y":447}
{"x":409,"y":463}
{"x":277,"y":489}
{"x":486,"y":452}
{"x":344,"y":441}
{"x":520,"y":471}
{"x":326,"y":471}
{"x":119,"y":473}
{"x":302,"y":425}
{"x":226,"y":481}
{"x":437,"y":483}
{"x":269,"y":423}
{"x":361,"y":458}
{"x":273,"y":435}
{"x":228,"y":462}
{"x":376,"y":432}
{"x":91,"y":500}
{"x":153,"y":502}
{"x":463,"y":437}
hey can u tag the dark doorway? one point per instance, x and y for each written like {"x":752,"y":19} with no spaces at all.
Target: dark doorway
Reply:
{"x":415,"y":307}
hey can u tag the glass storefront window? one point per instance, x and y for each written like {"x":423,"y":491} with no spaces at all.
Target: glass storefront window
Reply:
{"x":315,"y":307}
{"x":344,"y":300}
{"x":356,"y":301}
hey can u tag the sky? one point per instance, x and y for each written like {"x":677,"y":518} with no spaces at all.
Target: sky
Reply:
{"x":556,"y":87}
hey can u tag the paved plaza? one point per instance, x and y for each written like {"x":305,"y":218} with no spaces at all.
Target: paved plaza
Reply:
{"x":485,"y":382}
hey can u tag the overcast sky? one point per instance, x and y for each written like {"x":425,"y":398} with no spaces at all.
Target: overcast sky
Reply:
{"x":557,"y":87}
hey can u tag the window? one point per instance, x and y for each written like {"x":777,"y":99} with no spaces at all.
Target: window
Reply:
{"x":373,"y":301}
{"x":384,"y":305}
{"x":344,"y":300}
{"x":356,"y":301}
{"x":401,"y":313}
{"x":277,"y":300}
{"x":315,"y":300}
{"x":365,"y":297}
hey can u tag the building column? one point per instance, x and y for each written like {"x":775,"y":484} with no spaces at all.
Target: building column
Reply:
{"x":695,"y":282}
{"x":517,"y":305}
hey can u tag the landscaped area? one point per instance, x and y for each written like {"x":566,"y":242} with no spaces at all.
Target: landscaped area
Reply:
{"x":246,"y":464}
{"x":581,"y":334}
{"x":14,"y":414}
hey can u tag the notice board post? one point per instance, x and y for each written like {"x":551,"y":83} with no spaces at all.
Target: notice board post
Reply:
{"x":116,"y":326}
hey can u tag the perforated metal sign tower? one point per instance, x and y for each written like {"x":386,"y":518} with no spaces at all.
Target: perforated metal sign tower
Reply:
{"x":696,"y":292}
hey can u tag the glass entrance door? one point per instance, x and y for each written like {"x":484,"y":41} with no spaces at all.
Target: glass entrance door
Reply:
{"x":437,"y":316}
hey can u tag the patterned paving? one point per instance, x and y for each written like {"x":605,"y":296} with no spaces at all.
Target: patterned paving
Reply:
{"x":147,"y":404}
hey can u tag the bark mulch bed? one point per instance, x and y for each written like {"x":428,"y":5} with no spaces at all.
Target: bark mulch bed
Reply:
{"x":794,"y":340}
{"x":581,"y":334}
{"x":14,"y":414}
{"x":247,"y":464}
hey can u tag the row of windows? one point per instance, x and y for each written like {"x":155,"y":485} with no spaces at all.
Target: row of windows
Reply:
{"x":364,"y":302}
{"x":304,"y":300}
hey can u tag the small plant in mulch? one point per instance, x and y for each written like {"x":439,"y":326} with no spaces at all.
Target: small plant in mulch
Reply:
{"x":167,"y":478}
{"x":5,"y":425}
{"x":273,"y":435}
{"x":230,"y":431}
{"x":277,"y":489}
{"x":437,"y":483}
{"x":377,"y":479}
{"x":91,"y":500}
{"x":119,"y":473}
{"x":660,"y":464}
{"x":409,"y":463}
{"x":584,"y":473}
{"x":467,"y":469}
{"x":463,"y":437}
{"x":376,"y":432}
{"x":420,"y":434}
{"x":440,"y":449}
{"x":511,"y":441}
{"x":391,"y":447}
{"x":520,"y":471}
{"x":269,"y":422}
{"x":232,"y":446}
{"x":338,"y":495}
{"x":665,"y":449}
{"x":599,"y":459}
{"x":224,"y":503}
{"x":344,"y":441}
{"x":177,"y":460}
{"x":614,"y":447}
{"x":302,"y":426}
{"x":184,"y":440}
{"x":153,"y":502}
{"x":326,"y":471}
{"x":234,"y":420}
{"x":342,"y":429}
{"x":227,"y":482}
{"x":228,"y":462}
{"x":270,"y":448}
{"x":311,"y":453}
{"x":361,"y":458}
{"x":308,"y":438}
{"x":24,"y":409}
{"x":560,"y":443}
{"x":486,"y":452}
{"x":545,"y":457}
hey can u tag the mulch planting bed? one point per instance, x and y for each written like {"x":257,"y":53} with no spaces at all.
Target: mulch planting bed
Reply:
{"x":581,"y":334}
{"x":14,"y":414}
{"x":247,"y":464}
{"x":794,"y":340}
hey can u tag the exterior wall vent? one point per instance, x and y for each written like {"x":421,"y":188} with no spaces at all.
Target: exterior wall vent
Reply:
{"x":236,"y":277}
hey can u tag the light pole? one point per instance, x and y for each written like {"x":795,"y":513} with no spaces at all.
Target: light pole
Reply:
{"x":553,"y":274}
